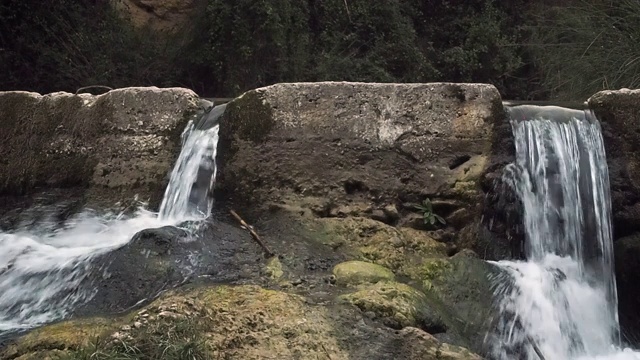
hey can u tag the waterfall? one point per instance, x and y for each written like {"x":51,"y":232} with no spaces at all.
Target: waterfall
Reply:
{"x":560,"y":303}
{"x":193,"y":176}
{"x":43,"y":267}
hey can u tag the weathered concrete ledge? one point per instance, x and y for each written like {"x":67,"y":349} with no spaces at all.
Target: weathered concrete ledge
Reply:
{"x":366,"y":149}
{"x":619,"y":114}
{"x":116,"y":144}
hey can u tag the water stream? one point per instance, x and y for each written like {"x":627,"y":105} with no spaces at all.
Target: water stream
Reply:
{"x":560,"y":303}
{"x":42,"y":267}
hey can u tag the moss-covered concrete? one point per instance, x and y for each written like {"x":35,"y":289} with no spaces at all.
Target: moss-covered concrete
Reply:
{"x":399,"y":249}
{"x":229,"y":322}
{"x":360,"y":272}
{"x":398,"y":305}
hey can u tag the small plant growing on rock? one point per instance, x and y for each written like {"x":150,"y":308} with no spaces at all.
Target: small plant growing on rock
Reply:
{"x":429,"y":217}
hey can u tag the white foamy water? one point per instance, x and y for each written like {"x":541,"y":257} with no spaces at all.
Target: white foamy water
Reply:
{"x":561,"y":303}
{"x":198,"y":155}
{"x":44,"y":268}
{"x":41,"y":274}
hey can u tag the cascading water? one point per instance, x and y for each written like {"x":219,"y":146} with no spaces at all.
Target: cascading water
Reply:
{"x":561,"y":303}
{"x":42,"y":268}
{"x":197,"y":163}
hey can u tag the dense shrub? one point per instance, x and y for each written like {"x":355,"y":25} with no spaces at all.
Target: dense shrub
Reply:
{"x":360,"y":40}
{"x":250,"y":43}
{"x":238,"y":45}
{"x":586,"y":46}
{"x":65,"y":44}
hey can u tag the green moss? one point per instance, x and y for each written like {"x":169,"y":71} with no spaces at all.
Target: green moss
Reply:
{"x":273,"y":268}
{"x":64,"y":336}
{"x":398,"y":305}
{"x":400,"y":250}
{"x":433,"y":270}
{"x":360,"y":272}
{"x":248,"y":117}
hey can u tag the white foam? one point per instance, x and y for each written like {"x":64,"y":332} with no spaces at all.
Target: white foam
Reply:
{"x":44,"y":268}
{"x":41,"y":274}
{"x":561,"y":304}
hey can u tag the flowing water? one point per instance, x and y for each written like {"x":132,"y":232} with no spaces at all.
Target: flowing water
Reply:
{"x":560,"y":303}
{"x":43,"y":267}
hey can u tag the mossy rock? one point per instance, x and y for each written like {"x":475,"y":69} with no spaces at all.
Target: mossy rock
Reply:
{"x":360,"y":272}
{"x":398,"y":305}
{"x":54,"y":340}
{"x":273,"y":268}
{"x":242,"y":322}
{"x":441,"y":351}
{"x":227,"y":322}
{"x":369,"y":240}
{"x":461,"y":290}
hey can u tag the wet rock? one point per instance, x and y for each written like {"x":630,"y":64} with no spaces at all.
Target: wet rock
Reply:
{"x":360,"y":272}
{"x":618,"y":112}
{"x":365,"y":145}
{"x":627,"y":266}
{"x":159,"y":259}
{"x":461,"y":285}
{"x":117,"y":144}
{"x":398,"y":305}
{"x":417,"y":339}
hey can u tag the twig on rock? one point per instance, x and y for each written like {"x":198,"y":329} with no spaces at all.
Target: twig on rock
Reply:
{"x":254,"y":235}
{"x":326,"y":352}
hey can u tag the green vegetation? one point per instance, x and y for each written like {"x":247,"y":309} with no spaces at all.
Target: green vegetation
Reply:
{"x":179,"y":340}
{"x":429,"y":217}
{"x":529,"y":50}
{"x":587,"y":46}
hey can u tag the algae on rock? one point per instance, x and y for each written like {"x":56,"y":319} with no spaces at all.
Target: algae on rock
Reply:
{"x":360,"y":272}
{"x":398,"y":305}
{"x":373,"y":241}
{"x":230,"y":322}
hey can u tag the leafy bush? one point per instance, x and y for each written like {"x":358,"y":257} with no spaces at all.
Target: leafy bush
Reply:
{"x":66,"y":44}
{"x":251,"y":43}
{"x":361,"y":40}
{"x":240,"y":45}
{"x":586,"y":46}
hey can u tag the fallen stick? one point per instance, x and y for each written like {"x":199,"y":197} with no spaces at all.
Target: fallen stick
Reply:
{"x":254,"y":235}
{"x":326,"y":352}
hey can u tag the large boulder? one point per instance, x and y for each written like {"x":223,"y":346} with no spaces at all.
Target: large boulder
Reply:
{"x":374,"y":150}
{"x":117,"y":144}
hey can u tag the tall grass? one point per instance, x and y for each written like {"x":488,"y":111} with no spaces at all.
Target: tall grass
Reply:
{"x":587,"y":46}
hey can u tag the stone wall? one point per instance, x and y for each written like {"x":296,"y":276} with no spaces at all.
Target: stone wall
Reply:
{"x":374,"y":150}
{"x":115,"y":145}
{"x":619,"y":112}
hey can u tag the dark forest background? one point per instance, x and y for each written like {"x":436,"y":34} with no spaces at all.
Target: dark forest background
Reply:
{"x":530,"y":50}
